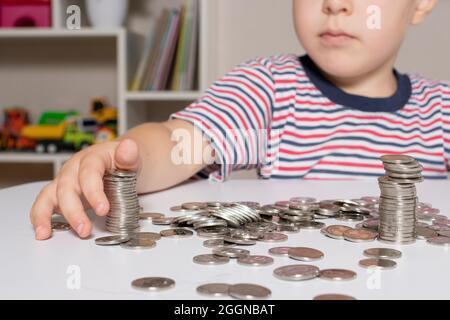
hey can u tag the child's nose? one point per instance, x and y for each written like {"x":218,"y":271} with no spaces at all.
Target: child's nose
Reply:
{"x":337,"y":7}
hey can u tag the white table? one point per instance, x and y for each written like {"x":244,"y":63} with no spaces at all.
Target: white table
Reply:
{"x":42,"y":270}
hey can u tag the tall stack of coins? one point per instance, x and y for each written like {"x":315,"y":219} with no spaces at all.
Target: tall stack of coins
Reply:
{"x":398,"y":199}
{"x":120,"y":189}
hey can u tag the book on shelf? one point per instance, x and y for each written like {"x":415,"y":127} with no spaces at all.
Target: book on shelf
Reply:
{"x":170,"y":56}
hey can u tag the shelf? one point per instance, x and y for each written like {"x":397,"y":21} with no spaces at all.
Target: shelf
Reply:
{"x":33,"y":157}
{"x":58,"y":33}
{"x":162,"y":96}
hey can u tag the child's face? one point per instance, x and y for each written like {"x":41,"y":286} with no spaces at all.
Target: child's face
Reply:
{"x":375,"y":30}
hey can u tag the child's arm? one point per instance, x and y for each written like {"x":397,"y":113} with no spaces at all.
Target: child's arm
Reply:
{"x":146,"y":149}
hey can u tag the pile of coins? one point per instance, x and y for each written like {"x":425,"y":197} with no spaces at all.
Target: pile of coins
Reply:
{"x":243,"y":291}
{"x":120,"y":189}
{"x":398,"y":200}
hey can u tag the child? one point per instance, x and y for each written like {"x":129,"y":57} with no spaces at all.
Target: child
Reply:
{"x":327,"y":115}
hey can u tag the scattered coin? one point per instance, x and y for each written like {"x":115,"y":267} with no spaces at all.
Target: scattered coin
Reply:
{"x":273,"y":237}
{"x":383,"y":264}
{"x":146,"y":235}
{"x":444,"y":233}
{"x":176,"y":233}
{"x":333,"y":296}
{"x":310,"y":225}
{"x":153,"y":283}
{"x":231,"y":252}
{"x":111,"y":240}
{"x":211,"y":259}
{"x":214,"y":289}
{"x":163,"y":221}
{"x":280,"y":251}
{"x":248,"y":291}
{"x":360,"y":235}
{"x":150,"y":215}
{"x":305,"y":254}
{"x":383,"y":253}
{"x":337,"y":274}
{"x":239,"y":241}
{"x":439,"y":241}
{"x":423,"y":233}
{"x":297,"y":272}
{"x":60,"y":226}
{"x":336,"y":231}
{"x":138,"y":244}
{"x":214,"y":243}
{"x":256,"y":261}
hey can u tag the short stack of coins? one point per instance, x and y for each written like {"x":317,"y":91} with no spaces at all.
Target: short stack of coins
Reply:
{"x":120,"y":189}
{"x":398,"y":200}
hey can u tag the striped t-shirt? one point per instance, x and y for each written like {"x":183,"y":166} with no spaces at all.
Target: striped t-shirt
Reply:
{"x":287,"y":121}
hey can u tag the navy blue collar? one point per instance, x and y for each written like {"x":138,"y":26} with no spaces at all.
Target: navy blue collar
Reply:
{"x":338,"y":96}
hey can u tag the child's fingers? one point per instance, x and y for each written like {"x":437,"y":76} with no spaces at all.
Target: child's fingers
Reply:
{"x":126,"y":155}
{"x":42,"y":210}
{"x":92,"y":169}
{"x":68,"y":193}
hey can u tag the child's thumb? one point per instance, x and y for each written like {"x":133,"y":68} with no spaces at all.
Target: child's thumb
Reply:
{"x":126,"y":156}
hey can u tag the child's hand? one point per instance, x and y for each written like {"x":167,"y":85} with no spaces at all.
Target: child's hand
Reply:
{"x":79,"y":185}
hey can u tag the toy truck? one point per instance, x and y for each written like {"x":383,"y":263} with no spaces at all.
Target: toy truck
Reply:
{"x":72,"y":133}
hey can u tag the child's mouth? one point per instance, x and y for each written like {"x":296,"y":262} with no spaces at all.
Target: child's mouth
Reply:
{"x":335,"y":38}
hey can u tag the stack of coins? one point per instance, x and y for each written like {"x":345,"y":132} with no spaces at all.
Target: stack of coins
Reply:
{"x":398,"y":200}
{"x":120,"y":189}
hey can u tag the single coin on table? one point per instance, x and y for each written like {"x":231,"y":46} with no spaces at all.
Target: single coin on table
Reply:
{"x":280,"y":251}
{"x":60,"y":226}
{"x":210,"y":259}
{"x":383,"y":253}
{"x":214,"y":289}
{"x":248,"y":291}
{"x":337,"y":274}
{"x":239,"y":241}
{"x":176,"y":233}
{"x":335,"y":231}
{"x":153,"y":283}
{"x":305,"y":254}
{"x":255,"y":260}
{"x":111,"y":240}
{"x":333,"y":296}
{"x":383,"y":264}
{"x":296,"y":272}
{"x":138,"y":244}
{"x":150,"y":215}
{"x":230,"y":252}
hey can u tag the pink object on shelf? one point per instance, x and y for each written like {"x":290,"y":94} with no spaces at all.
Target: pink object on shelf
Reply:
{"x":25,"y":13}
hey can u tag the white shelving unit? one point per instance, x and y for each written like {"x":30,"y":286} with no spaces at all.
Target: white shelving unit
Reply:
{"x":60,"y":69}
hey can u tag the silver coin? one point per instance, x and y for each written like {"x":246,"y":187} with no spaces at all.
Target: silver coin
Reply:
{"x":214,"y":289}
{"x":350,"y":217}
{"x":230,"y":252}
{"x":176,"y":233}
{"x":247,"y":291}
{"x":376,"y":263}
{"x":310,"y":225}
{"x":333,"y":296}
{"x":305,"y":254}
{"x":239,"y":241}
{"x":273,"y":237}
{"x":280,"y":251}
{"x":214,"y":243}
{"x":180,"y":209}
{"x":153,"y":283}
{"x":439,"y":241}
{"x":337,"y":274}
{"x":210,"y":259}
{"x":111,"y":240}
{"x":444,"y":233}
{"x":383,"y":253}
{"x":60,"y":226}
{"x":297,"y":272}
{"x":150,"y":215}
{"x":256,"y":260}
{"x":138,"y":244}
{"x":194,"y":206}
